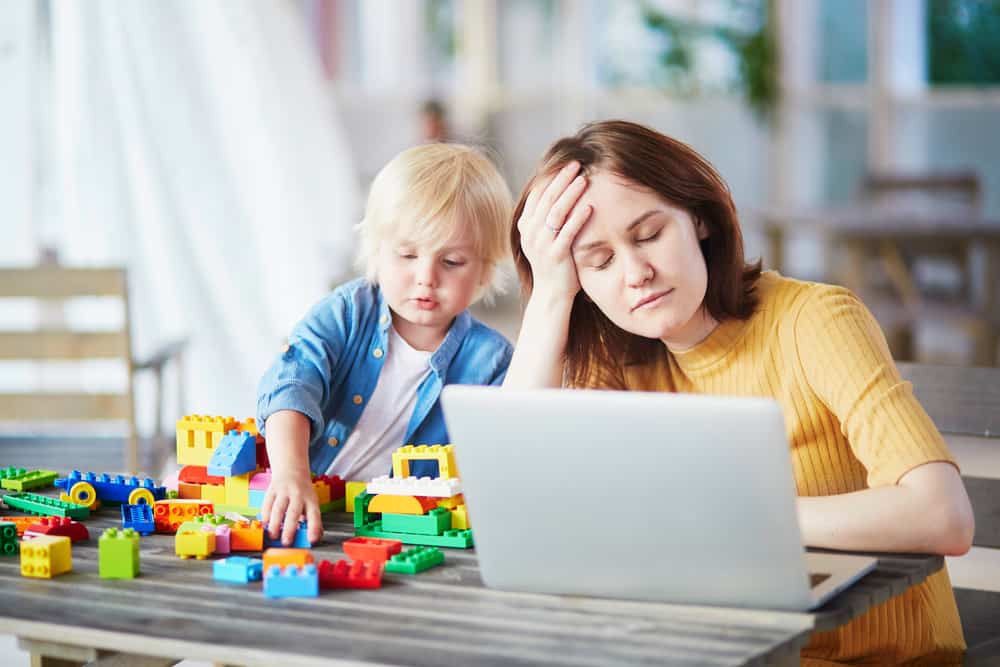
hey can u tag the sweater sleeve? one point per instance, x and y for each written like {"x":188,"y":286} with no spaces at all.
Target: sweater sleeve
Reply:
{"x":847,"y":364}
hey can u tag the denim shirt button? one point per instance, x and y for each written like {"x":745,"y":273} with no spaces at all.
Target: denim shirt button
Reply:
{"x":384,"y":319}
{"x":377,"y":353}
{"x":333,"y":442}
{"x":357,"y":399}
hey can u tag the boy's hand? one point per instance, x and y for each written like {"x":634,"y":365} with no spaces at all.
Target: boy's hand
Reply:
{"x":288,"y":498}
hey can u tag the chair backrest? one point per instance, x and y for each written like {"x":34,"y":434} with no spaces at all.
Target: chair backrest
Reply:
{"x":963,"y":187}
{"x":54,"y":284}
{"x":966,"y":401}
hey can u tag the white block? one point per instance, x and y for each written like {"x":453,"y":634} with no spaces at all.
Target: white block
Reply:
{"x":414,"y":486}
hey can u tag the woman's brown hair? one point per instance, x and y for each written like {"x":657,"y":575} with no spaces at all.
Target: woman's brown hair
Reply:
{"x":597,"y":350}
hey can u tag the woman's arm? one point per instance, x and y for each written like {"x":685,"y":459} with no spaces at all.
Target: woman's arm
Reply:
{"x":927,"y":511}
{"x":548,"y":225}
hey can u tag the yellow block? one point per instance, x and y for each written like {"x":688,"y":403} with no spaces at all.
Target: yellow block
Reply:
{"x":249,"y":425}
{"x":452,"y":503}
{"x":401,"y":504}
{"x":189,"y":491}
{"x":352,"y":489}
{"x":214,"y":492}
{"x":46,"y":556}
{"x":322,"y":492}
{"x":459,"y":518}
{"x":443,"y":454}
{"x":197,"y":543}
{"x":238,"y":489}
{"x":199,"y":435}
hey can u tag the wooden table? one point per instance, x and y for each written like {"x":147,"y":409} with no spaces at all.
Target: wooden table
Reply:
{"x":440,"y":617}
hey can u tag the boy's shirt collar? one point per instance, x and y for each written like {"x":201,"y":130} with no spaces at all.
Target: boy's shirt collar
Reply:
{"x":446,"y":351}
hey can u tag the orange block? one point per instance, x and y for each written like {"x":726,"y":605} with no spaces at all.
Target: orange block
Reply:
{"x":402,"y":504}
{"x":189,"y":491}
{"x":246,"y":536}
{"x":285,"y":557}
{"x":168,"y":515}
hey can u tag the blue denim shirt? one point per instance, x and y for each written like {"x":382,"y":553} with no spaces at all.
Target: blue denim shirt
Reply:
{"x":332,"y":363}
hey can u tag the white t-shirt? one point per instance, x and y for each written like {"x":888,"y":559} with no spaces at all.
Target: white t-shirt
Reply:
{"x":382,"y":426}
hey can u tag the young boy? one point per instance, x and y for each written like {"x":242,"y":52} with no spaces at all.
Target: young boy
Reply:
{"x":363,"y":371}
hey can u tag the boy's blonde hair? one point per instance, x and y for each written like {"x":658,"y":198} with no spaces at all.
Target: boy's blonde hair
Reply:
{"x":426,"y":192}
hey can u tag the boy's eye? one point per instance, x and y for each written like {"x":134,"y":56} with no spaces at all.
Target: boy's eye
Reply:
{"x":452,"y":263}
{"x":406,"y":254}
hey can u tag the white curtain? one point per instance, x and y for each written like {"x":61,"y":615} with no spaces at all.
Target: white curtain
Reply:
{"x":196,"y":142}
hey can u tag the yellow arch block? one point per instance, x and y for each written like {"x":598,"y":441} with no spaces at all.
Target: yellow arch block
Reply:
{"x":443,"y":454}
{"x":401,"y":504}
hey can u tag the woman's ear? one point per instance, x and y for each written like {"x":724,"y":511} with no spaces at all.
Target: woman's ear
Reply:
{"x":701,"y":229}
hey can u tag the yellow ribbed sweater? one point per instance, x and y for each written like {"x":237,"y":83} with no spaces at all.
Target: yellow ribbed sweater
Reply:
{"x":852,"y":423}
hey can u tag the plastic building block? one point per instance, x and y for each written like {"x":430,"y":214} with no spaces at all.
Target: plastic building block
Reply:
{"x":168,"y":515}
{"x":361,"y":513}
{"x":291,"y":581}
{"x":434,"y":522}
{"x":255,"y":498}
{"x":235,"y":455}
{"x":456,"y":539}
{"x":246,"y":536}
{"x":197,"y":543}
{"x":223,"y":540}
{"x":59,"y":525}
{"x":358,"y":574}
{"x":283,"y":557}
{"x":26,"y":480}
{"x":198,"y":475}
{"x":333,"y":505}
{"x":170,"y":482}
{"x":34,"y":503}
{"x":244,"y":510}
{"x":238,"y":489}
{"x":214,"y":493}
{"x":199,"y":435}
{"x":46,"y":556}
{"x":415,"y":486}
{"x":371,"y":548}
{"x":10,"y":473}
{"x":402,"y":504}
{"x":118,"y":554}
{"x":351,"y":491}
{"x":238,"y":569}
{"x":322,"y":490}
{"x":139,"y":518}
{"x":443,"y":454}
{"x":460,"y":518}
{"x":189,"y":491}
{"x":451,"y":503}
{"x":8,"y":538}
{"x":300,"y":541}
{"x":22,"y":522}
{"x":415,"y":560}
{"x":260,"y":481}
{"x":117,"y":488}
{"x":337,"y":485}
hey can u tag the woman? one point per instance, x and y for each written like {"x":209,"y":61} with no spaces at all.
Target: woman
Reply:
{"x":631,"y":257}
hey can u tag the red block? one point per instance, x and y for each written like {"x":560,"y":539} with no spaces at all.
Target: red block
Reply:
{"x":372,"y":548}
{"x":198,"y":475}
{"x":357,"y":574}
{"x":61,"y":526}
{"x":338,"y":487}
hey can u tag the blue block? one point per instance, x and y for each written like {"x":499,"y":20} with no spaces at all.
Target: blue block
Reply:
{"x":291,"y":582}
{"x":235,"y":455}
{"x":138,"y":517}
{"x":110,"y":488}
{"x":257,"y":498}
{"x":300,"y":541}
{"x":238,"y":569}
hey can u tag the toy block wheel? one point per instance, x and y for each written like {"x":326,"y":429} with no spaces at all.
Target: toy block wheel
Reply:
{"x":141,"y":497}
{"x":83,"y":493}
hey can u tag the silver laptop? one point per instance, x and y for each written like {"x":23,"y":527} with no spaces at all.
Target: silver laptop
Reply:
{"x":650,"y":496}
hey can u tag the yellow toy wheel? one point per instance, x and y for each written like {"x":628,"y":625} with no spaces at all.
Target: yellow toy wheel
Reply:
{"x":141,"y":497}
{"x":83,"y":493}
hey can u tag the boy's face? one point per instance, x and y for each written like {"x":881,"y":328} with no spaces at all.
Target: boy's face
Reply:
{"x":427,"y":287}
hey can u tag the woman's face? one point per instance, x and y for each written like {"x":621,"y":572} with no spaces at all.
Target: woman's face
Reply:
{"x":638,"y":259}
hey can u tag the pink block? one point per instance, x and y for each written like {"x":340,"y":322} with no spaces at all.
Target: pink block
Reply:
{"x":261,"y":481}
{"x":171,"y":482}
{"x":222,"y":539}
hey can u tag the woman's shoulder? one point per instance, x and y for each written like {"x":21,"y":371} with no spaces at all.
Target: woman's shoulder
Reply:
{"x":785,"y":298}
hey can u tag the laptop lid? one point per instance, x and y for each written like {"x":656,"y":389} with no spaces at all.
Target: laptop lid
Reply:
{"x":651,"y":496}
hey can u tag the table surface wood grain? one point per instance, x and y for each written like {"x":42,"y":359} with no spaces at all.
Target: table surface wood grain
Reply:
{"x":444,"y":616}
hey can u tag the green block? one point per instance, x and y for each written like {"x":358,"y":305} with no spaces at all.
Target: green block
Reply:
{"x":118,"y":554}
{"x":434,"y":522}
{"x":8,"y":539}
{"x":35,"y":479}
{"x":251,"y":512}
{"x":332,"y":506}
{"x":11,"y":472}
{"x":456,"y":539}
{"x":361,"y":514}
{"x":33,"y":503}
{"x":415,"y":560}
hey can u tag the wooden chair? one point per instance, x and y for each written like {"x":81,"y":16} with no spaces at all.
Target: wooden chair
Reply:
{"x":966,"y":402}
{"x":54,"y":286}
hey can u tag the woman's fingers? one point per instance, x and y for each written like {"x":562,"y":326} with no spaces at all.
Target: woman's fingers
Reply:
{"x":556,"y":217}
{"x":578,"y":218}
{"x":555,"y":189}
